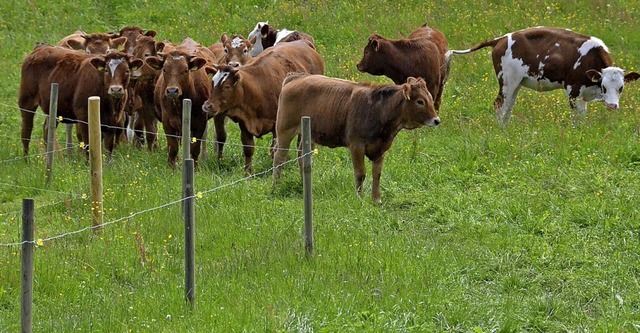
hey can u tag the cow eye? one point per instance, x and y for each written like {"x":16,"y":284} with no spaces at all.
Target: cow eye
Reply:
{"x":146,"y":54}
{"x":604,"y":90}
{"x":226,"y":51}
{"x":245,"y":51}
{"x":420,"y":102}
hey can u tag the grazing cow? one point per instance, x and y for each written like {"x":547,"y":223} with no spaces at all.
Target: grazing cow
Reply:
{"x":236,"y":50}
{"x":421,"y":54}
{"x":544,"y":59}
{"x":363,"y":117}
{"x":98,"y":43}
{"x":249,"y":94}
{"x":79,"y":76}
{"x":267,"y":36}
{"x":183,"y":76}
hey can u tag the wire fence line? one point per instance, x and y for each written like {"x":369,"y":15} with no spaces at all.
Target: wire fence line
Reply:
{"x":76,"y":197}
{"x":144,"y":132}
{"x":198,"y":195}
{"x":19,"y":158}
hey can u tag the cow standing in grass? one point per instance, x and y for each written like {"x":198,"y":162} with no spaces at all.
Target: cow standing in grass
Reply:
{"x":421,"y":54}
{"x":545,"y":59}
{"x":267,"y":36}
{"x":362,"y":117}
{"x":249,"y":94}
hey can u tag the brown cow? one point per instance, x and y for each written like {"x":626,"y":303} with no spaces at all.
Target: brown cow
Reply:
{"x":363,"y":117}
{"x":249,"y":94}
{"x":79,"y":76}
{"x":183,"y":76}
{"x":131,"y":33}
{"x":267,"y":36}
{"x":235,"y":50}
{"x":421,"y":54}
{"x":97,"y":43}
{"x":544,"y":59}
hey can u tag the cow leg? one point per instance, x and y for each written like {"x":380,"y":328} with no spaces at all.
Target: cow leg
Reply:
{"x":359,"y":172}
{"x":221,"y":133}
{"x":281,"y":153}
{"x":505,"y":101}
{"x":110,"y":140}
{"x":578,"y":109}
{"x":27,"y":129}
{"x":376,"y":172}
{"x":150,"y":130}
{"x":172,"y":144}
{"x":82,"y":131}
{"x":196,"y":146}
{"x":247,"y":148}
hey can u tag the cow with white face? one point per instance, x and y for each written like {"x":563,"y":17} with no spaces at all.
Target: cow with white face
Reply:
{"x":544,"y":59}
{"x":267,"y":36}
{"x":236,"y":49}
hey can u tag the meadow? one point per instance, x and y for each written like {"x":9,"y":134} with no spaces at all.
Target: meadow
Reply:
{"x":533,"y":227}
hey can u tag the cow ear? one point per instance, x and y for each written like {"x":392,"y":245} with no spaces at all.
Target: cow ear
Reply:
{"x":135,"y":64}
{"x":154,"y":62}
{"x":406,"y":91}
{"x":160,"y":46}
{"x":196,"y":63}
{"x":264,"y":30}
{"x":593,"y":75}
{"x":374,"y":44}
{"x":253,"y":40}
{"x":98,"y":63}
{"x":633,"y":76}
{"x":75,"y":44}
{"x":224,"y":38}
{"x":237,"y":77}
{"x":118,"y":43}
{"x":151,"y":33}
{"x":210,"y":70}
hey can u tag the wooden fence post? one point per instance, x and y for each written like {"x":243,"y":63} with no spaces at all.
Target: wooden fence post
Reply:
{"x":26,"y":317}
{"x":69,"y":139}
{"x":306,"y":186}
{"x":189,"y":231}
{"x":186,"y":128}
{"x":95,"y":160}
{"x":51,"y":130}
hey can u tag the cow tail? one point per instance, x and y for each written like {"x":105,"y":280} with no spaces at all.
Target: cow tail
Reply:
{"x":449,"y":54}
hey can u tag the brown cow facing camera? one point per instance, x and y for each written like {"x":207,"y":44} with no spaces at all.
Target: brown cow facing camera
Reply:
{"x":421,"y":54}
{"x":362,"y":117}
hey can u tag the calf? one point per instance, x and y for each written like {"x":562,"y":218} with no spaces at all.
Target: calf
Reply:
{"x":79,"y":76}
{"x":131,"y":33}
{"x":267,"y":36}
{"x":249,"y":94}
{"x":544,"y":59}
{"x":363,"y":117}
{"x":236,"y":50}
{"x":421,"y":54}
{"x":183,"y":76}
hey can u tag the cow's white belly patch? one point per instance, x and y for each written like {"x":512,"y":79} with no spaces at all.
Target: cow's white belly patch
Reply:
{"x":540,"y":85}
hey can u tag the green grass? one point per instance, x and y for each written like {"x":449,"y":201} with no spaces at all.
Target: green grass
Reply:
{"x":530,"y":228}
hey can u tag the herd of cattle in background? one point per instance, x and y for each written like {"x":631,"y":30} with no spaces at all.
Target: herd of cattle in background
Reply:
{"x":268,"y":81}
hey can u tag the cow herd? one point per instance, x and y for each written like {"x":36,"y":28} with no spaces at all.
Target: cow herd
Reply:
{"x":268,"y":81}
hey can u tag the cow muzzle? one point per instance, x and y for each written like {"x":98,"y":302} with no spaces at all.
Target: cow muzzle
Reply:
{"x":116,"y":91}
{"x":173,"y":92}
{"x":612,"y":106}
{"x":433,"y":122}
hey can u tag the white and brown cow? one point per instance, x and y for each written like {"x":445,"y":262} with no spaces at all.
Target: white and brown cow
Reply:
{"x":421,"y":54}
{"x":249,"y":94}
{"x":363,"y":117}
{"x":268,"y":36}
{"x":544,"y":59}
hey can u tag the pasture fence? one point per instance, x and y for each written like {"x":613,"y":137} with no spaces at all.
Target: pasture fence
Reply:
{"x":29,"y":242}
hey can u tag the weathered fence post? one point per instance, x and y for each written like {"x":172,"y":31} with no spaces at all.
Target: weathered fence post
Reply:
{"x":189,"y":231}
{"x":306,"y":185}
{"x":186,"y":128}
{"x":28,"y":243}
{"x":51,"y":130}
{"x":95,"y":160}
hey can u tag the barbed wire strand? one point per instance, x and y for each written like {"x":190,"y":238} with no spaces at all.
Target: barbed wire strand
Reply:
{"x":71,"y":120}
{"x":195,"y":196}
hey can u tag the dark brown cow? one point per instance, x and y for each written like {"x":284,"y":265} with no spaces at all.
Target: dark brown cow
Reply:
{"x":79,"y":76}
{"x":97,"y":43}
{"x":131,"y":33}
{"x":144,"y":118}
{"x":363,"y":117}
{"x":421,"y":54}
{"x":544,"y":59}
{"x":249,"y":94}
{"x":183,"y":76}
{"x":235,"y":50}
{"x":267,"y":36}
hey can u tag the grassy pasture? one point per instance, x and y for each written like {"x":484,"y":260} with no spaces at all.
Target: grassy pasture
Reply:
{"x":534,"y":227}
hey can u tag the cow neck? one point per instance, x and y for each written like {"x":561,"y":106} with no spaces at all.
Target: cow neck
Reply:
{"x":389,"y":117}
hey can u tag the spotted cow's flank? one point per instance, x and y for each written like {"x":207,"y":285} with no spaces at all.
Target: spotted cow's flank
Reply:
{"x":545,"y":59}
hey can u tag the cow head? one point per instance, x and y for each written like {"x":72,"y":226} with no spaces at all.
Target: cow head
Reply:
{"x":611,"y":81}
{"x":116,"y":67}
{"x":176,"y":67}
{"x":373,"y":59}
{"x":256,"y":33}
{"x":131,"y":33}
{"x":236,"y":49}
{"x":145,"y":47}
{"x":99,"y":43}
{"x":226,"y":89}
{"x":417,"y":105}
